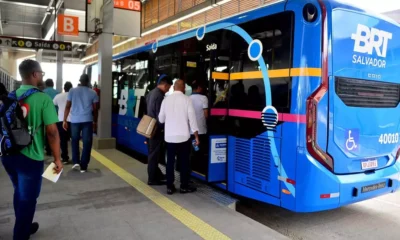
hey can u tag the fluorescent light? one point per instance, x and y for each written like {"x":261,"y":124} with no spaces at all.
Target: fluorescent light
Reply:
{"x":123,"y":42}
{"x":115,"y":46}
{"x":177,"y":20}
{"x":69,"y":10}
{"x":221,"y":2}
{"x":89,"y":57}
{"x":27,"y":57}
{"x":50,"y":33}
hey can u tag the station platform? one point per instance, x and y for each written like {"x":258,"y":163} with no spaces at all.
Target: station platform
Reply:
{"x":113,"y":201}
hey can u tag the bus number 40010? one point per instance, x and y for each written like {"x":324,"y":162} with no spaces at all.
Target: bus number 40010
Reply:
{"x":389,"y":138}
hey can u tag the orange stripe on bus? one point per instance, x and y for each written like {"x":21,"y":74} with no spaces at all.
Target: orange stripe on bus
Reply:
{"x":293,"y":72}
{"x":220,"y":76}
{"x":306,"y":72}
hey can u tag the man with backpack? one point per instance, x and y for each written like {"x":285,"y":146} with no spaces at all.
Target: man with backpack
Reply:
{"x":25,"y":117}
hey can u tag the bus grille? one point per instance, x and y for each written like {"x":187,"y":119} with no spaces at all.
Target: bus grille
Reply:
{"x":253,"y":158}
{"x":261,"y":159}
{"x":242,"y":156}
{"x":368,"y":94}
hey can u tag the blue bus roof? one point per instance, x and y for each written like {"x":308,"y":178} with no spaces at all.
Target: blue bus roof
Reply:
{"x":275,"y":7}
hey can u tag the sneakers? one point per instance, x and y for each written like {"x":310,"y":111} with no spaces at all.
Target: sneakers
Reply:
{"x":76,"y":166}
{"x":34,"y":228}
{"x":83,"y":171}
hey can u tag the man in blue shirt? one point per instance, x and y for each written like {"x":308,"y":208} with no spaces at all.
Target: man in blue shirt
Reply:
{"x":82,"y":103}
{"x":49,"y":90}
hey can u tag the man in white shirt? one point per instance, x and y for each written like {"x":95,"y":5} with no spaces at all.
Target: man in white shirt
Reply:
{"x":200,"y":105}
{"x":60,"y":100}
{"x":178,"y":114}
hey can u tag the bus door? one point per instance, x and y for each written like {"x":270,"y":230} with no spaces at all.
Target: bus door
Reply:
{"x":217,"y":50}
{"x":254,"y":137}
{"x":115,"y":105}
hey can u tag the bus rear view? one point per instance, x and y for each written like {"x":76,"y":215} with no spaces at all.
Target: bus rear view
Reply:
{"x":353,"y":118}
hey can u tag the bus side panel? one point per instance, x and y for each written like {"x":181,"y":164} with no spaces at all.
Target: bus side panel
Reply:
{"x":314,"y":183}
{"x":288,"y":164}
{"x":127,"y":135}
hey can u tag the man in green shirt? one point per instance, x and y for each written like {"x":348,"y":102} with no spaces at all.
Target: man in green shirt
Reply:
{"x":25,"y":169}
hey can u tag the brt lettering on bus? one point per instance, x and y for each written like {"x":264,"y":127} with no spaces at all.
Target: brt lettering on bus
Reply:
{"x":366,"y":40}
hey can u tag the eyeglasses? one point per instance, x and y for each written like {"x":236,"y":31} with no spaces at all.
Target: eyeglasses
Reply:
{"x":43,"y":73}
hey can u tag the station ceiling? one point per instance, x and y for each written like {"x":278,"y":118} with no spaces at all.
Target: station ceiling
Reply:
{"x":35,"y":19}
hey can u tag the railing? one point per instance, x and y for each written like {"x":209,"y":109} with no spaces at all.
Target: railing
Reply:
{"x":9,"y":82}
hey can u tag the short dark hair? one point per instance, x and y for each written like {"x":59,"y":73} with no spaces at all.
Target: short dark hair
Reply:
{"x":27,"y":67}
{"x":198,"y":84}
{"x":49,"y":83}
{"x":67,"y":86}
{"x":84,"y":79}
{"x":164,"y":80}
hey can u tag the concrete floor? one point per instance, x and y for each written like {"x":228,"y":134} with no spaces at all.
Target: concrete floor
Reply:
{"x":370,"y":220}
{"x":100,"y":205}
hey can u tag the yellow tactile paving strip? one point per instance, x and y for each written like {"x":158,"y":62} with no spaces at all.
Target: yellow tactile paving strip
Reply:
{"x":197,"y":225}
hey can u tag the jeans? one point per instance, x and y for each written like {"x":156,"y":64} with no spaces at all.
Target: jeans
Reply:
{"x":64,"y":138}
{"x":182,"y":152}
{"x":86,"y":129}
{"x":199,"y":159}
{"x":26,"y":177}
{"x":156,"y":155}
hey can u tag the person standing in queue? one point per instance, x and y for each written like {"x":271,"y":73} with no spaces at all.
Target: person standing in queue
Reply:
{"x":200,"y":105}
{"x":82,"y":103}
{"x":156,"y":143}
{"x":61,"y":101}
{"x":49,"y":90}
{"x":26,"y":167}
{"x":178,"y":114}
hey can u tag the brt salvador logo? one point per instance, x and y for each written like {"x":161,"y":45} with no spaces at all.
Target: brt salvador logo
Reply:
{"x":366,"y":41}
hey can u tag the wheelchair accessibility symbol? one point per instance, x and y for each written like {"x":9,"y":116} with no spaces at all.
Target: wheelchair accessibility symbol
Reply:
{"x":352,"y":137}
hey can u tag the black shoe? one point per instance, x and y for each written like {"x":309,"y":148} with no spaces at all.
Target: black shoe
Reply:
{"x":188,"y":189}
{"x":34,"y":228}
{"x":66,"y":161}
{"x":163,"y":178}
{"x":171,"y":190}
{"x":156,"y":183}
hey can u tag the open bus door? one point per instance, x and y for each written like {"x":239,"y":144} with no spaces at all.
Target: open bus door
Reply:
{"x":217,"y":50}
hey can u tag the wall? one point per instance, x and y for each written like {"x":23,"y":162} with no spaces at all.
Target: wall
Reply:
{"x":8,"y":63}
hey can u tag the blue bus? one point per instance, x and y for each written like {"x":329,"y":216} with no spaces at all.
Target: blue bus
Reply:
{"x":303,"y":99}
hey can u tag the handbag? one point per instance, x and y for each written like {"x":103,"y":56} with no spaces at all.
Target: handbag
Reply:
{"x":147,"y":126}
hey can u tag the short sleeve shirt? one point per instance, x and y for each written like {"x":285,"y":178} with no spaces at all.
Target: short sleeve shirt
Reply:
{"x":200,"y":103}
{"x":61,"y":101}
{"x":82,"y":100}
{"x":39,"y":111}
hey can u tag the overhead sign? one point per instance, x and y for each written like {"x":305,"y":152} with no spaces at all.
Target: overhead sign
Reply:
{"x":40,"y":44}
{"x":67,"y":25}
{"x":132,"y":5}
{"x":5,"y":42}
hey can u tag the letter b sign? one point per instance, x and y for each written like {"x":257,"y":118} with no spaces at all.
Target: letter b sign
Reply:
{"x":67,"y":25}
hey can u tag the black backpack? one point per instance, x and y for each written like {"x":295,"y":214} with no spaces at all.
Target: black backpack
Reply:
{"x":14,"y":134}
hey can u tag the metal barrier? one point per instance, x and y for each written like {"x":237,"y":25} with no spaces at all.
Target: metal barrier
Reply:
{"x":9,"y":82}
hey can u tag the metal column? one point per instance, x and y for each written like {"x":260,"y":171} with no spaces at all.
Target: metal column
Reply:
{"x":60,"y":59}
{"x":105,"y":72}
